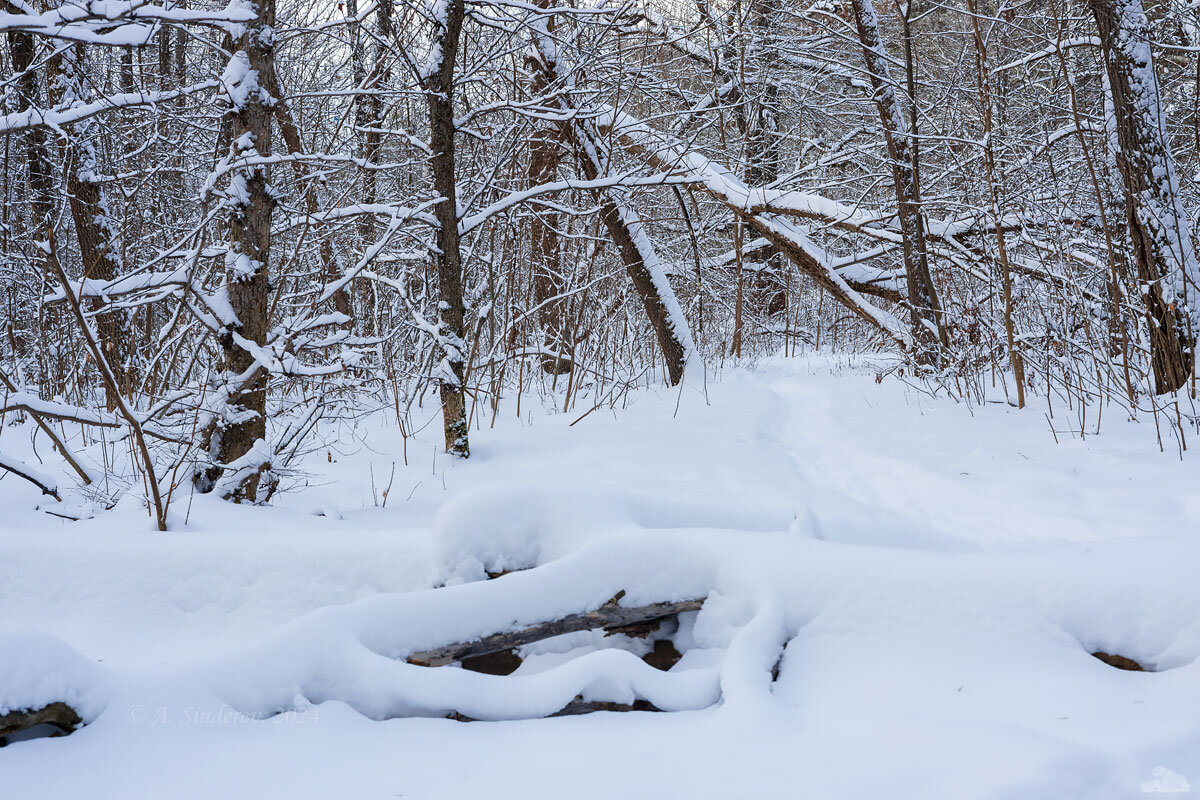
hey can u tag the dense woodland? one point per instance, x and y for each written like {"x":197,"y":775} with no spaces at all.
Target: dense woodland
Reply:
{"x":225,"y":225}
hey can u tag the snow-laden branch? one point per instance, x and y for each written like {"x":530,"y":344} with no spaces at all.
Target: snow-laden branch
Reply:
{"x":42,"y":480}
{"x":117,"y":22}
{"x":750,"y":204}
{"x":19,"y":121}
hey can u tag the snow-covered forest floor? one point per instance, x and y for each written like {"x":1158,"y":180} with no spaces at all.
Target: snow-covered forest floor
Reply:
{"x":935,"y":575}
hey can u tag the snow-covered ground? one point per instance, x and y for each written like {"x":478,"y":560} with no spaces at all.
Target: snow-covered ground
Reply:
{"x":936,"y":576}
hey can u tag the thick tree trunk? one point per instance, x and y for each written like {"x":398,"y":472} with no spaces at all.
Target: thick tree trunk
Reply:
{"x":439,"y":89}
{"x":244,"y":420}
{"x":1158,"y":226}
{"x":925,"y":312}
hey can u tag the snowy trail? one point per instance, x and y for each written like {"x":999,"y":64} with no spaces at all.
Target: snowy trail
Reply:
{"x":938,"y":580}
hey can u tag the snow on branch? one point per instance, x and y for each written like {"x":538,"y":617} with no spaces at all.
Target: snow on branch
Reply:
{"x":42,"y":480}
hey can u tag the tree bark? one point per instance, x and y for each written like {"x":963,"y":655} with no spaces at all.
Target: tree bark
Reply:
{"x":925,"y":312}
{"x":1158,"y":226}
{"x":243,"y":421}
{"x":545,"y":155}
{"x":625,"y":229}
{"x":611,"y":616}
{"x":95,"y":230}
{"x":39,"y":172}
{"x":439,"y":89}
{"x":983,"y":82}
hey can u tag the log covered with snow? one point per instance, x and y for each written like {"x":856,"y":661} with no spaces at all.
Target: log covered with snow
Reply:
{"x":57,"y":714}
{"x":611,"y":617}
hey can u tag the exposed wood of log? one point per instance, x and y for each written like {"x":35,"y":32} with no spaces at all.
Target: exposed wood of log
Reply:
{"x":608,"y":616}
{"x":58,"y":715}
{"x":502,"y":662}
{"x":580,"y":706}
{"x":1120,"y":662}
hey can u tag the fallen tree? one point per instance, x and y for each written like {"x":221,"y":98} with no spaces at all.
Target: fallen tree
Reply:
{"x":611,"y":617}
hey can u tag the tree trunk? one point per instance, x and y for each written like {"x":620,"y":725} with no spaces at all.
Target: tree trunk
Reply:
{"x":545,"y":154}
{"x":922,"y":295}
{"x":243,"y":421}
{"x":1158,"y":226}
{"x":626,"y":231}
{"x":439,"y":89}
{"x":22,"y":51}
{"x":983,"y":82}
{"x":363,"y":149}
{"x":94,"y":228}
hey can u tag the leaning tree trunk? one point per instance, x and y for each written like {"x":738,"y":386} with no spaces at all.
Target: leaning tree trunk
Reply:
{"x":1158,"y":225}
{"x":243,"y":421}
{"x":922,"y":295}
{"x":624,"y":226}
{"x":439,"y":89}
{"x":626,"y":231}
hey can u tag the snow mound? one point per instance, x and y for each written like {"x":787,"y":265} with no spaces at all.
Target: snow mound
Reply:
{"x":37,"y":669}
{"x":501,"y":527}
{"x":355,"y":653}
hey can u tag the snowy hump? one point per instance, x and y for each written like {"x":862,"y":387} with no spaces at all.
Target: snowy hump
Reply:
{"x":37,"y":669}
{"x":500,"y":527}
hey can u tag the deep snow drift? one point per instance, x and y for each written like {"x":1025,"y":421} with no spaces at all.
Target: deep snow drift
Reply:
{"x":935,"y":577}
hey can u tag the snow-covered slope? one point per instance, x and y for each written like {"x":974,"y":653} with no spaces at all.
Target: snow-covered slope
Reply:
{"x":935,"y":577}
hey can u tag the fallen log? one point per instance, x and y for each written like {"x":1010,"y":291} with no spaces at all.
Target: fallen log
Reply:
{"x":611,"y":617}
{"x":58,"y":715}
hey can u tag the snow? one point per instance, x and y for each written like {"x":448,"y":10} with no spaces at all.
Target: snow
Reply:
{"x":933,"y":575}
{"x":37,"y":669}
{"x":240,"y":83}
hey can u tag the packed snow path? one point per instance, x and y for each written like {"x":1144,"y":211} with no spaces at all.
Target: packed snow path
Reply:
{"x":936,"y":577}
